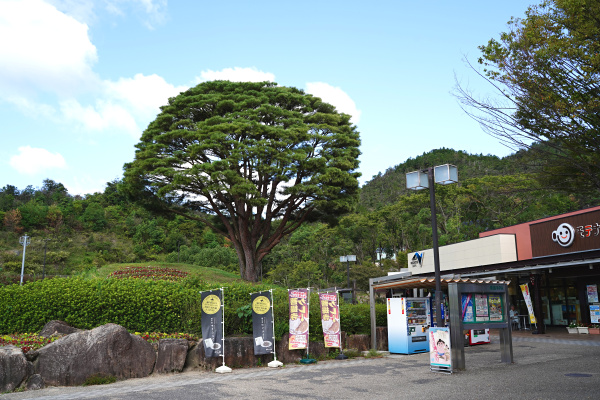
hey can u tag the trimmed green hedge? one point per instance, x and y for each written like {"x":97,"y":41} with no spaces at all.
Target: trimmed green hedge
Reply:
{"x":152,"y":306}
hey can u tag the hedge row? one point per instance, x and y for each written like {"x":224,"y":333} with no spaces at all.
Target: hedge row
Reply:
{"x":152,"y":306}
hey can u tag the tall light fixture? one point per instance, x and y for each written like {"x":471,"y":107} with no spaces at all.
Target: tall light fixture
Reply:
{"x":347,"y":260}
{"x":24,"y":240}
{"x":423,"y":179}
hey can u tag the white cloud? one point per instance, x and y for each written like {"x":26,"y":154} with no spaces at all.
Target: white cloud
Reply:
{"x":47,"y":50}
{"x":143,"y":94}
{"x":85,"y":184}
{"x":33,"y":109}
{"x":336,"y":97}
{"x":81,"y":10}
{"x":103,"y":116}
{"x":154,"y":11}
{"x":31,"y":160}
{"x":236,"y":74}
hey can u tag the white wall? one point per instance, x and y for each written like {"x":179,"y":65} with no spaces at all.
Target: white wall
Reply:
{"x":473,"y":253}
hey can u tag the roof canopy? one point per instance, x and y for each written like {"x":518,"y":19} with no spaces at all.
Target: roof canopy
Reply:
{"x":427,"y":283}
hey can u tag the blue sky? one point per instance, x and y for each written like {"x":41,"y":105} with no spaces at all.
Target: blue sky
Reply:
{"x":80,"y":80}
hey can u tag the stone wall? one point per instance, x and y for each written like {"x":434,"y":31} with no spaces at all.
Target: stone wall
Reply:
{"x":110,"y":350}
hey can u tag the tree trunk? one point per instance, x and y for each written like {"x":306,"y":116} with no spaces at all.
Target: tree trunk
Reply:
{"x":248,"y":262}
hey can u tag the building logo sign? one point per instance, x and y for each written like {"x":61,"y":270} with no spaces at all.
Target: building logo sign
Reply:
{"x":417,"y":260}
{"x":570,"y":234}
{"x":564,"y":235}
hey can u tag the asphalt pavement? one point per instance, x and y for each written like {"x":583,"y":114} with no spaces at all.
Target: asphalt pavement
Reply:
{"x":551,"y":366}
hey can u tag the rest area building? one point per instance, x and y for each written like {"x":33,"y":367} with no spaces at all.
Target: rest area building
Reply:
{"x":557,"y":257}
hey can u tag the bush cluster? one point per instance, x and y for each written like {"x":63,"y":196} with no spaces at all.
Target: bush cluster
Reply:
{"x":152,"y":306}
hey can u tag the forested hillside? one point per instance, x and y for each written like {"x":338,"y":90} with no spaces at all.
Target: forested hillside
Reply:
{"x":74,"y":234}
{"x":386,"y":188}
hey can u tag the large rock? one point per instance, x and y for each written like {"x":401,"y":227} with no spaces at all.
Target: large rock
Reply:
{"x":14,"y":368}
{"x":171,"y":355}
{"x":108,"y":350}
{"x":56,"y":327}
{"x":35,"y":382}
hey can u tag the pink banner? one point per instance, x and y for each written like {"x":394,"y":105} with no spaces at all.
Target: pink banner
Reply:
{"x":330,"y":319}
{"x":298,"y":300}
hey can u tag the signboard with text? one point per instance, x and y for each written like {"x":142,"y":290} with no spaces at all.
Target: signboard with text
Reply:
{"x":330,"y":319}
{"x":566,"y":235}
{"x":211,"y":321}
{"x":298,"y":302}
{"x":478,"y":308}
{"x":262,"y":323}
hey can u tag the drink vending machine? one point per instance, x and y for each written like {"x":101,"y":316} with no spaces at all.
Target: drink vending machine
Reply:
{"x":408,"y":322}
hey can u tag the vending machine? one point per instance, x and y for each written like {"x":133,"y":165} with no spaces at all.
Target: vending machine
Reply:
{"x":478,"y":336}
{"x":432,"y":321}
{"x":408,"y":322}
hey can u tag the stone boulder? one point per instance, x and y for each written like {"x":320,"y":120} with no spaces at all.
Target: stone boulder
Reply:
{"x":35,"y":382}
{"x":107,"y":350}
{"x":56,"y":327}
{"x":14,"y":368}
{"x":171,"y":355}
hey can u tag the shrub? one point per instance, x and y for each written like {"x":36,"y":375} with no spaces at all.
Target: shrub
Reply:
{"x":153,"y":306}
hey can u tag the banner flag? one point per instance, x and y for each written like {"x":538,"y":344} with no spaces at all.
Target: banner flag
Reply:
{"x":527,"y":297}
{"x":262,"y":322}
{"x":330,"y":319}
{"x":298,"y":301}
{"x":212,"y":321}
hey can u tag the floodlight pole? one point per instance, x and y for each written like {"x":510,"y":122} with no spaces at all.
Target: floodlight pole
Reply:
{"x":44,"y":267}
{"x":348,"y":270}
{"x":24,"y":240}
{"x":436,"y":251}
{"x":416,"y":180}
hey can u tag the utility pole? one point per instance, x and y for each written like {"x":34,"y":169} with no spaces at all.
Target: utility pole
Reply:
{"x":24,"y":240}
{"x":44,"y":266}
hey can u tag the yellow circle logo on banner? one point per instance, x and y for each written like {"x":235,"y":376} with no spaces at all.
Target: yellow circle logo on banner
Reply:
{"x":211,"y":304}
{"x":261,"y":305}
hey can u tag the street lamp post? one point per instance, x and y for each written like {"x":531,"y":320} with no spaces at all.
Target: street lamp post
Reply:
{"x":423,"y":179}
{"x":347,"y":260}
{"x":44,"y":266}
{"x":24,"y":240}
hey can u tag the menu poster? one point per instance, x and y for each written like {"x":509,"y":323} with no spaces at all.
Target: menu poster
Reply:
{"x":330,"y":319}
{"x":298,"y":301}
{"x":592,"y":293}
{"x":211,"y":321}
{"x":467,"y":308}
{"x":439,"y":347}
{"x":481,"y":307}
{"x":595,"y":313}
{"x":262,"y":323}
{"x":495,"y":307}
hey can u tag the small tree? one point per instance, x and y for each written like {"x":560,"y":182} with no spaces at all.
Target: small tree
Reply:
{"x":12,"y":221}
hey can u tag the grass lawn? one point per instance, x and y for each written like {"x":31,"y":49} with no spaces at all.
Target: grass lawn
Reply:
{"x":210,"y":275}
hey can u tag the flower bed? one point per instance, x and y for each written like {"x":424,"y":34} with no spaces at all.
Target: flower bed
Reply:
{"x":154,"y":337}
{"x":154,"y":273}
{"x":26,"y":341}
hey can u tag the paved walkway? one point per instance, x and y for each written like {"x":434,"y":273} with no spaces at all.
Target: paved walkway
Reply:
{"x":555,"y":335}
{"x":542,"y":370}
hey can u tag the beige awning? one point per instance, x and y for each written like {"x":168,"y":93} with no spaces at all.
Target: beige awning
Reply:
{"x":429,"y":283}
